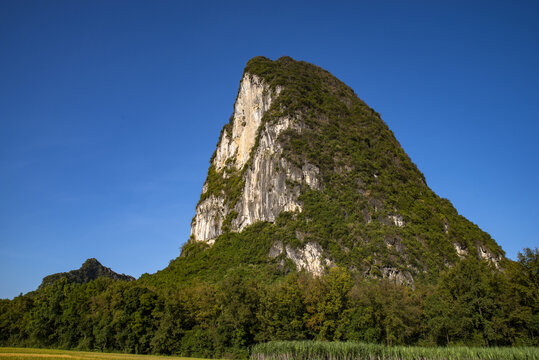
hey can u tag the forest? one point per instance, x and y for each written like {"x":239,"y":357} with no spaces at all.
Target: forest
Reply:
{"x":472,"y":304}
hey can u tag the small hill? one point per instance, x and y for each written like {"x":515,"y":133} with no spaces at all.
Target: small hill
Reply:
{"x":90,"y":270}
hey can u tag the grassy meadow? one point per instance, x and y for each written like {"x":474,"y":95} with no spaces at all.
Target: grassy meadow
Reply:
{"x":8,"y":353}
{"x":318,"y":350}
{"x":304,"y":350}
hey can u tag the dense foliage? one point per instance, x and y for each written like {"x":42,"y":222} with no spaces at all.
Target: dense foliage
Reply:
{"x":90,"y":270}
{"x":471,"y":304}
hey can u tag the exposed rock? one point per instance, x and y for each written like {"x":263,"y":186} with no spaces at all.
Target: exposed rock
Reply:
{"x":207,"y":224}
{"x":393,"y":242}
{"x":461,"y":250}
{"x":254,"y":99}
{"x":267,"y":189}
{"x":276,"y":250}
{"x":397,"y":220}
{"x":401,"y":277}
{"x":310,"y":257}
{"x":376,"y":204}
{"x":486,"y":254}
{"x":270,"y":181}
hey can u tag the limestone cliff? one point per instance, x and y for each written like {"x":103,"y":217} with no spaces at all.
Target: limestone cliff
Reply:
{"x":249,"y":149}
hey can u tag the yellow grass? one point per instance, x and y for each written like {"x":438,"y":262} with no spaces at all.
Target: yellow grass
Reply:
{"x":46,"y":354}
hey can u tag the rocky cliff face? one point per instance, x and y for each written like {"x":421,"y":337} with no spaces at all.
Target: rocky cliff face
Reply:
{"x":249,"y":149}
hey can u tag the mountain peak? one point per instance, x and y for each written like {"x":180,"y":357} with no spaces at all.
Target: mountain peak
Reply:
{"x":91,"y":262}
{"x":90,"y":270}
{"x":305,"y":155}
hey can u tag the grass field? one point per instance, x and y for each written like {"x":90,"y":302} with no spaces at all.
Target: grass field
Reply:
{"x":46,"y":354}
{"x":318,"y":350}
{"x":301,"y":350}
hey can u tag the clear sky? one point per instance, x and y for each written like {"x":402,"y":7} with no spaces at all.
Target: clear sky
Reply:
{"x":110,"y":111}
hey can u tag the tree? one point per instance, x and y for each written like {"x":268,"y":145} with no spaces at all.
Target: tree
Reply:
{"x":281,"y":311}
{"x":327,"y":303}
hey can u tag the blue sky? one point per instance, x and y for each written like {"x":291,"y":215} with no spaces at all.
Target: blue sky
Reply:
{"x":110,"y":111}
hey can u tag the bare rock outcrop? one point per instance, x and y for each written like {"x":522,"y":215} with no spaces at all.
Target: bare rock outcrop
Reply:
{"x":250,"y":147}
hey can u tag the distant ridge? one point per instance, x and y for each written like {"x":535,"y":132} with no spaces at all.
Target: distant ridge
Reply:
{"x":90,"y":270}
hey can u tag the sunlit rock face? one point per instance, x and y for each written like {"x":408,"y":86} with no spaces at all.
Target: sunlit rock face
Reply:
{"x":254,"y":99}
{"x":252,"y":147}
{"x":486,"y":254}
{"x":461,"y":251}
{"x":309,"y":257}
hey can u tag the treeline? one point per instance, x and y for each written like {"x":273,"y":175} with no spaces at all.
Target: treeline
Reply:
{"x":471,"y":304}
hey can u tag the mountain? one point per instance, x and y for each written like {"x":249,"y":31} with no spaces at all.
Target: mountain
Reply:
{"x":90,"y":270}
{"x":305,"y":175}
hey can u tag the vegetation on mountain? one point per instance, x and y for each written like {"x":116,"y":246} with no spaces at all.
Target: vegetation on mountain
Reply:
{"x":473,"y":304}
{"x":366,"y":179}
{"x":90,"y":270}
{"x":368,"y":183}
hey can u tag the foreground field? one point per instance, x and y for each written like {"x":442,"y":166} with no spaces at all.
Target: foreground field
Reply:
{"x":46,"y":354}
{"x":318,"y":350}
{"x":302,"y":350}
